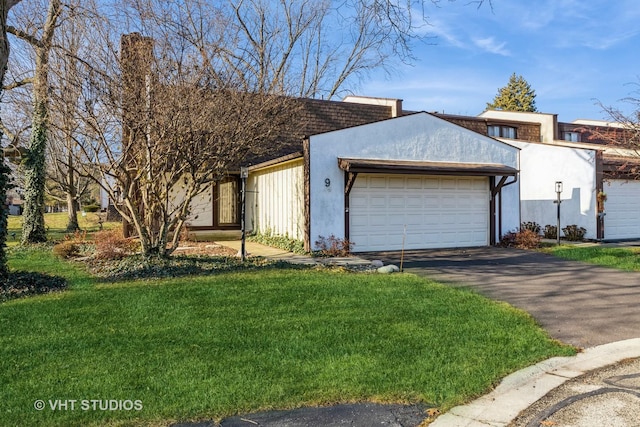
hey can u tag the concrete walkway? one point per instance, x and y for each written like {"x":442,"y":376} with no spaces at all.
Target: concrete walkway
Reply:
{"x":258,"y":249}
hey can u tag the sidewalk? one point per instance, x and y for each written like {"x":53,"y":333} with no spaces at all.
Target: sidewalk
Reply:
{"x":258,"y":249}
{"x":584,"y":390}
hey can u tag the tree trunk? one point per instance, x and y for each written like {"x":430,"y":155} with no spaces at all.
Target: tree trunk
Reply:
{"x":72,"y":209}
{"x":72,"y":194}
{"x":33,"y":228}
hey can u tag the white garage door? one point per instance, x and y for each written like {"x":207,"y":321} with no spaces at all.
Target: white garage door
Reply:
{"x":438,"y":212}
{"x":623,"y":209}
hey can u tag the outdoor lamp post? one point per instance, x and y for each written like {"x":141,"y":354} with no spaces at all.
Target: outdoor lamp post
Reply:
{"x":244,"y":174}
{"x":558,"y":201}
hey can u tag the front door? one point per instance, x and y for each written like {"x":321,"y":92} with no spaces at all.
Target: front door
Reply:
{"x":227,"y":204}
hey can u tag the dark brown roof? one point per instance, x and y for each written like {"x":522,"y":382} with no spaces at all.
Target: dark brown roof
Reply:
{"x":525,"y":131}
{"x":318,"y":116}
{"x":601,"y":135}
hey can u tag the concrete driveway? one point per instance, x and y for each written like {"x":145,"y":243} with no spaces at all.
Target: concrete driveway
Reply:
{"x":576,"y":303}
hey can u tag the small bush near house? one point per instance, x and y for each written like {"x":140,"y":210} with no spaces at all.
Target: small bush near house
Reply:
{"x":66,"y":249}
{"x":333,"y":246}
{"x":72,"y":245}
{"x":531,"y":225}
{"x":111,"y":245}
{"x":550,"y":232}
{"x":523,"y":239}
{"x":573,"y":233}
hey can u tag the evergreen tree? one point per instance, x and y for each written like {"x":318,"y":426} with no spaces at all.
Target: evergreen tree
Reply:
{"x":517,"y":95}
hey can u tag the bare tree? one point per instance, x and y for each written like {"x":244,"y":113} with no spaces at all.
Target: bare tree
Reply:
{"x":208,"y":85}
{"x":65,"y":185}
{"x":41,"y":40}
{"x":155,"y":134}
{"x":305,"y":48}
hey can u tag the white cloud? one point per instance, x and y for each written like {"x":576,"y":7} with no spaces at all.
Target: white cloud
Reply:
{"x":490,"y":45}
{"x":442,"y":31}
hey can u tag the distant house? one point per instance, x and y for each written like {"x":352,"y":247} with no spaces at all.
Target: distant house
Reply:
{"x":14,"y":200}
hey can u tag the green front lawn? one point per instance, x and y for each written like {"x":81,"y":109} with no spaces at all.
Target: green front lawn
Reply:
{"x":620,"y":258}
{"x":205,"y":347}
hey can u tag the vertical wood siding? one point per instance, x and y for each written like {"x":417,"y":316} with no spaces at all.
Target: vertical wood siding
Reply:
{"x":276,"y":196}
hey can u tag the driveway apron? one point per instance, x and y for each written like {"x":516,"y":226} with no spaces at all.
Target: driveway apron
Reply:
{"x":577,"y":303}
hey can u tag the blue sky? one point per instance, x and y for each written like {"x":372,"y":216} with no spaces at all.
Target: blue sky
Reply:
{"x":574,"y":53}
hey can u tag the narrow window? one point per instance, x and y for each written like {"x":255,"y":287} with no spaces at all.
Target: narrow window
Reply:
{"x":571,"y":136}
{"x":502,"y":131}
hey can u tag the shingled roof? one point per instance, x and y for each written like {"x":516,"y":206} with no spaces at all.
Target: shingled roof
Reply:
{"x":319,"y":116}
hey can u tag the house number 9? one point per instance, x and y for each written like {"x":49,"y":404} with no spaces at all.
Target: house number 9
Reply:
{"x":327,"y":182}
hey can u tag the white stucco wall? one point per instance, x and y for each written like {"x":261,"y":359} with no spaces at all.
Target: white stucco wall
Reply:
{"x":541,"y":166}
{"x":417,"y":137}
{"x":275,"y":200}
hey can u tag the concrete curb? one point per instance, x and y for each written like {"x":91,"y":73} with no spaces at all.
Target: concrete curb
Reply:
{"x":521,"y":389}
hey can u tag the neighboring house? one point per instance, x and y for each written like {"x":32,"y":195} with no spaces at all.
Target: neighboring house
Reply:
{"x":544,"y":160}
{"x":585,"y":157}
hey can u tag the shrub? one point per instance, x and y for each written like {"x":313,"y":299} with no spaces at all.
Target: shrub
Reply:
{"x":530,"y":225}
{"x":91,"y":208}
{"x":333,"y":246}
{"x":72,"y":245}
{"x":111,"y":245}
{"x":523,"y":239}
{"x":66,"y":249}
{"x":281,"y":242}
{"x":550,"y":232}
{"x":573,"y":233}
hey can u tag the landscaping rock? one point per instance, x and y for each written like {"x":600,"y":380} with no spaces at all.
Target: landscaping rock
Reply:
{"x":388,"y":269}
{"x":377,"y":263}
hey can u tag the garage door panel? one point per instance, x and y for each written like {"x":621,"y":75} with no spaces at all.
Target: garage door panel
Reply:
{"x":414,"y":183}
{"x":622,"y":220}
{"x":377,"y":182}
{"x":437,"y":212}
{"x":396,"y":182}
